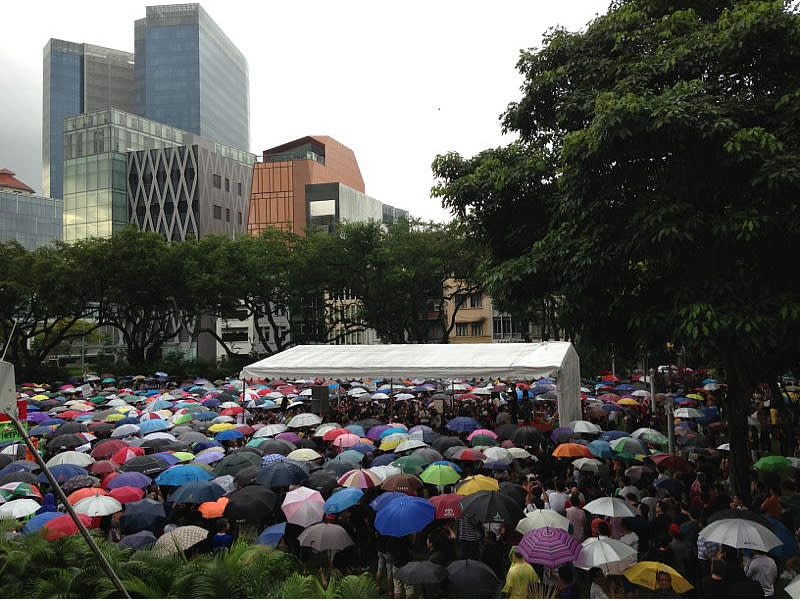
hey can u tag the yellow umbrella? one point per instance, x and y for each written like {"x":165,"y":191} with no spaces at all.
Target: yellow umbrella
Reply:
{"x":628,"y":402}
{"x":40,"y":397}
{"x":695,"y":396}
{"x":221,"y":427}
{"x":165,"y":413}
{"x":184,"y":456}
{"x":478,"y":483}
{"x":644,"y":573}
{"x":114,"y":417}
{"x":389,"y":445}
{"x":304,"y":455}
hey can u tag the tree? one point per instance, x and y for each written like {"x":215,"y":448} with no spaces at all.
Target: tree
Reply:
{"x":674,"y":210}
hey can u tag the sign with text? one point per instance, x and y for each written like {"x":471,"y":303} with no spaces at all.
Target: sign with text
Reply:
{"x":9,"y":432}
{"x":8,"y":389}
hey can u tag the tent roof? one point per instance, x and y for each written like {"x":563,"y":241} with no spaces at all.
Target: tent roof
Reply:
{"x":529,"y":360}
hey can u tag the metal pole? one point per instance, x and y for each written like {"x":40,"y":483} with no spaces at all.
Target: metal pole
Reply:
{"x":652,"y":373}
{"x":669,"y":404}
{"x":63,"y":498}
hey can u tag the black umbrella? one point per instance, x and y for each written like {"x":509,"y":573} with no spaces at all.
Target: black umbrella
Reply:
{"x":527,"y":436}
{"x":28,"y":477}
{"x":281,"y":474}
{"x":101,"y":427}
{"x":247,"y":476}
{"x":234,"y":463}
{"x":421,"y":572}
{"x":470,"y":579}
{"x":145,"y":464}
{"x":5,"y":460}
{"x":156,"y":444}
{"x":339,"y":465}
{"x":139,"y":540}
{"x":491,"y":506}
{"x":515,"y":491}
{"x":253,"y":503}
{"x":65,"y":442}
{"x":306,"y":443}
{"x":277,"y":446}
{"x":146,"y":514}
{"x":81,"y":481}
{"x":323,"y":481}
{"x":254,"y":450}
{"x":69,"y":428}
{"x":446,"y":442}
{"x":224,"y":396}
{"x":196,"y":493}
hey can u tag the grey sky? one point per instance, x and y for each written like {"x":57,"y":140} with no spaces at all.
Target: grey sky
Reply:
{"x":403,"y":81}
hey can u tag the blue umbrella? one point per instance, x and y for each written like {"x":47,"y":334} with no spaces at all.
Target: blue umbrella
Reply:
{"x":271,"y":458}
{"x":37,"y":521}
{"x":169,"y":458}
{"x":127,"y":420}
{"x":197,"y":492}
{"x":624,"y":387}
{"x":404,"y":515}
{"x":40,"y":430}
{"x":281,"y":474}
{"x":384,"y":459}
{"x":601,"y":448}
{"x":229,"y":435}
{"x":272,"y":535}
{"x":63,"y":472}
{"x":52,"y":422}
{"x":450,"y":464}
{"x":341,"y":500}
{"x":611,"y":435}
{"x":183,"y":474}
{"x":363,"y":448}
{"x":383,"y":499}
{"x":160,"y":405}
{"x":212,"y":403}
{"x":789,"y":546}
{"x":205,"y":416}
{"x":135,"y":479}
{"x":609,"y":407}
{"x":356,"y":429}
{"x":153,"y":425}
{"x":394,"y":430}
{"x":462,"y":424}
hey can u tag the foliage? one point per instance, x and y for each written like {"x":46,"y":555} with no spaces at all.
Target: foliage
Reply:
{"x":299,"y":586}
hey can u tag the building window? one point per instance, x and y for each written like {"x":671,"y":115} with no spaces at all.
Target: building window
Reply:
{"x":461,"y":329}
{"x":477,"y":329}
{"x":239,"y":188}
{"x":475,"y":300}
{"x":227,"y":185}
{"x":228,"y":215}
{"x":239,"y":217}
{"x":217,"y":212}
{"x":216,"y":181}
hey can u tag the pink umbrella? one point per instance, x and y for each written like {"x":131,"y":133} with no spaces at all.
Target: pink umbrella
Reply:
{"x":482,"y":432}
{"x":344,"y":441}
{"x":363,"y":478}
{"x":303,"y":506}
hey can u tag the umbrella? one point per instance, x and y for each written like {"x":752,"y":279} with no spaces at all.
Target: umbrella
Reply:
{"x":672,"y":462}
{"x":135,"y":479}
{"x":410,"y":444}
{"x":447,"y":506}
{"x":343,"y":499}
{"x":281,"y":447}
{"x":549,"y":547}
{"x":18,"y":508}
{"x":440,"y":475}
{"x":146,"y":464}
{"x":179,"y":539}
{"x":542,"y":518}
{"x":584,"y":427}
{"x":674,"y":487}
{"x":183,"y":474}
{"x":75,"y":482}
{"x":282,"y":474}
{"x":323,"y":481}
{"x":470,"y":579}
{"x":773,"y":463}
{"x":560,"y":435}
{"x":741,"y":534}
{"x":473,"y":484}
{"x":103,"y":467}
{"x":404,"y":515}
{"x":272,"y":535}
{"x":70,"y":458}
{"x":411,"y":464}
{"x":462,"y":424}
{"x":35,"y":523}
{"x":407,"y":483}
{"x":304,"y":420}
{"x":63,"y":472}
{"x":600,"y":448}
{"x":527,"y":436}
{"x":609,"y":506}
{"x":383,"y":499}
{"x":196,"y":493}
{"x":644,"y":574}
{"x":585,"y":464}
{"x":11,"y":490}
{"x":789,"y":546}
{"x":127,"y":494}
{"x":517,"y":492}
{"x":421,"y":572}
{"x":325,"y":537}
{"x":629,"y":446}
{"x":105,"y":449}
{"x":252,"y":503}
{"x":303,"y":506}
{"x":655,"y":437}
{"x":571,"y":449}
{"x":232,"y":464}
{"x":506,"y":431}
{"x":213,"y":509}
{"x":609,"y":554}
{"x":304,"y":455}
{"x":138,"y":540}
{"x":98,"y":505}
{"x":146,"y":514}
{"x":794,"y":589}
{"x":359,"y":478}
{"x":492,"y":506}
{"x":64,"y":526}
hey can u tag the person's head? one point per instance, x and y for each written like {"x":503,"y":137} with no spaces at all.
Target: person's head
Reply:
{"x":515,"y":554}
{"x":718,"y":567}
{"x":596,"y":575}
{"x":222,"y":526}
{"x":565,"y":573}
{"x":603,"y":529}
{"x":663,"y":581}
{"x":575,"y":500}
{"x":631,"y":498}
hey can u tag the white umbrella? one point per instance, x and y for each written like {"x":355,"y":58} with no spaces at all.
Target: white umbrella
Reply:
{"x":403,"y":396}
{"x":223,"y":419}
{"x":325,"y":537}
{"x":304,"y":455}
{"x":98,"y":505}
{"x":409,"y":444}
{"x":71,"y":458}
{"x":269,"y":430}
{"x":687,"y":413}
{"x":518,"y":453}
{"x":225,"y":482}
{"x":640,"y":393}
{"x":159,"y":435}
{"x":586,"y":464}
{"x":609,"y":506}
{"x":498,"y":454}
{"x":305,"y":392}
{"x":612,"y":556}
{"x":794,"y":589}
{"x":542,"y":518}
{"x":273,"y":395}
{"x":724,"y":447}
{"x":303,"y":506}
{"x":356,"y":391}
{"x":305,"y":420}
{"x":385,"y":471}
{"x":380,"y":396}
{"x":18,"y":508}
{"x":583,"y":427}
{"x":294,"y":404}
{"x":323,"y":429}
{"x":741,"y":534}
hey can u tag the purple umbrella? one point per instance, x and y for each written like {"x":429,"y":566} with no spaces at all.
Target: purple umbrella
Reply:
{"x":208,"y":456}
{"x":288,"y":436}
{"x":560,"y":435}
{"x":37,"y":417}
{"x":374,"y":433}
{"x":168,"y":457}
{"x":135,"y":479}
{"x":549,"y":547}
{"x":420,"y":429}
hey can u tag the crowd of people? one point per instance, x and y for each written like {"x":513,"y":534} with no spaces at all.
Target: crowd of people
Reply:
{"x":440,"y":489}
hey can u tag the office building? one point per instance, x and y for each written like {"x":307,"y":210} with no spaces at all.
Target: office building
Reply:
{"x":31,"y":220}
{"x":122,"y":169}
{"x":78,"y":78}
{"x":190,"y":75}
{"x":333,"y":203}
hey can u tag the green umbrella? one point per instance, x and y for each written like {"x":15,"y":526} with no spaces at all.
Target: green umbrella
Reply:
{"x":650,"y":435}
{"x":773,"y":463}
{"x":413,"y":464}
{"x":440,"y":475}
{"x":482,"y":440}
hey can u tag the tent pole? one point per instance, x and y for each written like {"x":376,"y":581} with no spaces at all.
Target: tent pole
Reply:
{"x":68,"y":506}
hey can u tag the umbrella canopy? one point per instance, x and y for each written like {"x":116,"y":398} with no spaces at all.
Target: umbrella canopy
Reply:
{"x":18,"y":508}
{"x":542,"y":518}
{"x":470,"y":579}
{"x":474,"y":484}
{"x":440,"y":475}
{"x":527,"y":436}
{"x":146,"y":514}
{"x":98,"y":505}
{"x":609,"y":554}
{"x":252,"y":503}
{"x":232,"y":464}
{"x":421,"y":572}
{"x":550,"y":547}
{"x":404,"y":515}
{"x":585,"y":464}
{"x":412,"y":464}
{"x":304,"y":420}
{"x":741,"y":534}
{"x":63,"y":526}
{"x":303,"y":506}
{"x":196,"y":493}
{"x":272,"y":535}
{"x":492,"y":506}
{"x":644,"y":574}
{"x":406,"y":483}
{"x":325,"y":537}
{"x":183,"y":474}
{"x":584,"y":427}
{"x":146,"y":464}
{"x":127,"y":494}
{"x":179,"y":539}
{"x":609,"y":506}
{"x":359,"y":478}
{"x":773,"y":463}
{"x":135,"y":479}
{"x":213,"y":509}
{"x":282,"y":474}
{"x":447,"y":506}
{"x":343,"y":499}
{"x":650,"y":435}
{"x":36,"y":523}
{"x":571,"y":449}
{"x":629,"y":446}
{"x":462,"y":424}
{"x":70,"y":458}
{"x":139,"y":540}
{"x":601,"y":448}
{"x":322,"y":481}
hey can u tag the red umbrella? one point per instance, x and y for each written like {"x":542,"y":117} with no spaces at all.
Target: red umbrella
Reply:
{"x":127,"y":494}
{"x":124,"y":454}
{"x":245,"y":429}
{"x":672,"y":462}
{"x":332,"y":434}
{"x":447,"y":506}
{"x":101,"y":468}
{"x":232,"y":411}
{"x":106,"y":448}
{"x":469,"y":455}
{"x":64,"y":526}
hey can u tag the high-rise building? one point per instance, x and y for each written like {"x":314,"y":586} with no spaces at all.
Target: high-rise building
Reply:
{"x":31,"y":220}
{"x":190,"y":75}
{"x":78,"y":78}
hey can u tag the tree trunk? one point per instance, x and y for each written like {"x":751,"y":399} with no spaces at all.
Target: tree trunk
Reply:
{"x":737,"y":403}
{"x":785,"y":418}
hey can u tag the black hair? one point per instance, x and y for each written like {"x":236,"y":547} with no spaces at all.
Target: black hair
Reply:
{"x":566,"y":573}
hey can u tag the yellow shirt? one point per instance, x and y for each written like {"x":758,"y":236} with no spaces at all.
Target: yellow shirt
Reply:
{"x":518,"y":578}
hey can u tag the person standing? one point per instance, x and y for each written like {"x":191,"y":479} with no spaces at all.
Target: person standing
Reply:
{"x":519,"y":577}
{"x":762,"y":569}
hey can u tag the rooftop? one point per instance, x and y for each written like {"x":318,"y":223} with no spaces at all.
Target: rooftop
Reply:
{"x":8,"y":181}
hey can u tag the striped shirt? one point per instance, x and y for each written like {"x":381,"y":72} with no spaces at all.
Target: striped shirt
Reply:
{"x":466,"y":530}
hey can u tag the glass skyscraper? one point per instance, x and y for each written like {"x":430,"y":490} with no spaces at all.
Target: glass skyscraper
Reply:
{"x":78,"y":78}
{"x":190,"y":75}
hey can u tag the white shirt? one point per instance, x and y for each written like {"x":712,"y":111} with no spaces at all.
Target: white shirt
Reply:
{"x":762,"y":569}
{"x":557,"y":501}
{"x":597,"y":592}
{"x":631,"y":539}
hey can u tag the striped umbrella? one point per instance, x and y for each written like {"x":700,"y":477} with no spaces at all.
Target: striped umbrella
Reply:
{"x":549,"y":547}
{"x":363,"y":478}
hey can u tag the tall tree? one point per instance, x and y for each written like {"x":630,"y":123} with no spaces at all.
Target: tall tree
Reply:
{"x":675,"y":207}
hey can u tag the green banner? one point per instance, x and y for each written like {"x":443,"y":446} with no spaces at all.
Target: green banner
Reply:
{"x":9,"y":432}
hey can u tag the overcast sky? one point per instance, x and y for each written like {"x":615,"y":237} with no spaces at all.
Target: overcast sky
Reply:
{"x":403,"y":81}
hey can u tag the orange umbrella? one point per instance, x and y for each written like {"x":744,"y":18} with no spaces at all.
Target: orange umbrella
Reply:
{"x":213,"y":509}
{"x":85,"y":492}
{"x":571,"y":449}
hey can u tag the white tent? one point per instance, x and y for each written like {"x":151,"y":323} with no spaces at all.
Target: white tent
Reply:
{"x":441,"y":361}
